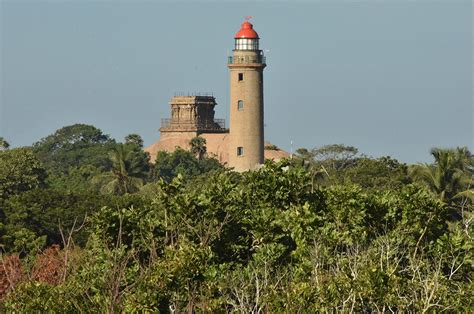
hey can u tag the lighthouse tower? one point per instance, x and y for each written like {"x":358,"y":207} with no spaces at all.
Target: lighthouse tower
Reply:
{"x":246,"y":148}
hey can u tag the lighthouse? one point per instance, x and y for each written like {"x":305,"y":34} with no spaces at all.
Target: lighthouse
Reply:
{"x":240,"y":144}
{"x":246,"y":138}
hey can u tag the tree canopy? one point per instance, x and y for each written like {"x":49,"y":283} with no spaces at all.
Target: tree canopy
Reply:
{"x":134,"y":139}
{"x":451,"y":175}
{"x":198,"y":147}
{"x":128,"y":171}
{"x":262,"y":241}
{"x":20,"y":171}
{"x":3,"y":143}
{"x":74,"y":146}
{"x":169,"y":165}
{"x":88,"y":224}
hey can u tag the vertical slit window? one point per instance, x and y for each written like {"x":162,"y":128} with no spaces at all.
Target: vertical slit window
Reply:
{"x":240,"y":151}
{"x":240,"y":105}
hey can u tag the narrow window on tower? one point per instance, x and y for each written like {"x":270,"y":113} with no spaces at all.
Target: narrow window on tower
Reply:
{"x":240,"y":151}
{"x":240,"y":105}
{"x":241,"y":76}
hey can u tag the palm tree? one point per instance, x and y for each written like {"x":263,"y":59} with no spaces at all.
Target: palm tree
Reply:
{"x":127,"y":173}
{"x":198,"y":147}
{"x":3,"y":143}
{"x":450,"y":176}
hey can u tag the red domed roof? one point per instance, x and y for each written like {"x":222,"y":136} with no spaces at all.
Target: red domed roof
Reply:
{"x":246,"y":31}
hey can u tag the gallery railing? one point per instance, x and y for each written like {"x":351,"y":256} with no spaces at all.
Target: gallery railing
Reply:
{"x":217,"y":124}
{"x":246,"y":60}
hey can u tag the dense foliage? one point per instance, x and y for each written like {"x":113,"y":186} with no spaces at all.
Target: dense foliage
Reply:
{"x":328,"y":231}
{"x":181,"y":162}
{"x":20,"y":171}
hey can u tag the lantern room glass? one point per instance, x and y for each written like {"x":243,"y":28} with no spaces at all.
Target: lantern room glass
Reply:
{"x":246,"y":44}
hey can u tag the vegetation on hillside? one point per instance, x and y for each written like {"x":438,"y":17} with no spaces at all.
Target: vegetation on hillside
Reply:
{"x":87,"y":224}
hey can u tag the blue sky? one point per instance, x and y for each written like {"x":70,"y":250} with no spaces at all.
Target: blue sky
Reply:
{"x":389,"y":77}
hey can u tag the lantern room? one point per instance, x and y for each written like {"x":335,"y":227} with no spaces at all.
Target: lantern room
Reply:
{"x":246,"y":38}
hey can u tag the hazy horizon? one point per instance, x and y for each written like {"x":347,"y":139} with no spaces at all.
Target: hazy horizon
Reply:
{"x":391,"y":78}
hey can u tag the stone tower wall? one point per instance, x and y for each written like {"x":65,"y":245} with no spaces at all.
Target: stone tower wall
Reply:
{"x":246,"y":124}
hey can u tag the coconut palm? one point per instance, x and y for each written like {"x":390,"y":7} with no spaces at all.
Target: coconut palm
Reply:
{"x":450,"y":176}
{"x":198,"y":147}
{"x":127,"y":173}
{"x":3,"y":143}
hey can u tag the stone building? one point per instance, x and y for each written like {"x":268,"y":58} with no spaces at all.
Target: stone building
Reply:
{"x":241,"y":147}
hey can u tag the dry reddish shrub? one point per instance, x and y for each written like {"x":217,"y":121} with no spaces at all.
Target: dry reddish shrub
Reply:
{"x":11,"y":272}
{"x":49,"y":266}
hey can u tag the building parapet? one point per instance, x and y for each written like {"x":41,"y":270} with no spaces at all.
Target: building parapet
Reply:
{"x":170,"y":125}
